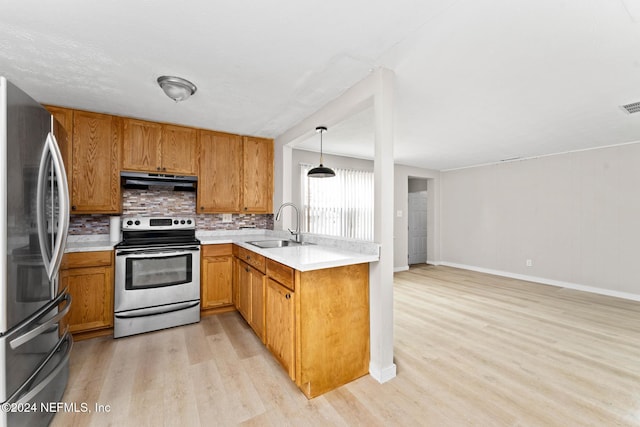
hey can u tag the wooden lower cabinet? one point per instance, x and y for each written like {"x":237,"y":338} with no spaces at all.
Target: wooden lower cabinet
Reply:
{"x":332,"y":327}
{"x":316,"y":323}
{"x":251,"y":286}
{"x":216,"y":269}
{"x":280,"y":322}
{"x":244,"y":289}
{"x":89,"y":277}
{"x":258,"y":280}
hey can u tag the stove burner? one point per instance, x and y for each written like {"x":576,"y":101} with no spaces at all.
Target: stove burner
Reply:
{"x":141,"y":232}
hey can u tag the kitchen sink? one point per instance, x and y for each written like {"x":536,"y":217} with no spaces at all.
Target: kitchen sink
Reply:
{"x":276,"y":243}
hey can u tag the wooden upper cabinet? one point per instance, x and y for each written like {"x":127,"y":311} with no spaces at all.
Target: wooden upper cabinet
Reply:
{"x":257,"y":171}
{"x":141,"y":145}
{"x":154,"y":147}
{"x":179,"y":150}
{"x":62,"y":129}
{"x":220,"y":178}
{"x":95,"y":183}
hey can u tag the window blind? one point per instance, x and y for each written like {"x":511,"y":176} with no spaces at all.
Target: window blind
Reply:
{"x":338,"y":206}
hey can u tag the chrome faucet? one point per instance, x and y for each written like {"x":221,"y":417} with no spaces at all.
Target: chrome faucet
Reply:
{"x":295,"y":233}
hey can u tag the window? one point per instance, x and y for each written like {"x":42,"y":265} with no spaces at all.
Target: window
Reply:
{"x":338,"y":206}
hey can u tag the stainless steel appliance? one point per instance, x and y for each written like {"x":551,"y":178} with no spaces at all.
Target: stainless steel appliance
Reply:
{"x":157,"y":282}
{"x":144,"y":180}
{"x":34,"y":220}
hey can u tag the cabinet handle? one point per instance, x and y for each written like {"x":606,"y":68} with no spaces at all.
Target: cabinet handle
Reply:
{"x":158,"y":168}
{"x":248,"y":256}
{"x":246,"y":269}
{"x":245,"y":208}
{"x":288,"y":296}
{"x":73,"y":208}
{"x":164,"y":169}
{"x":201,"y":208}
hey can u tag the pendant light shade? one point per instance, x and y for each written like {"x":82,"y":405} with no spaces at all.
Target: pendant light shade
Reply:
{"x":321,"y":171}
{"x":177,"y":88}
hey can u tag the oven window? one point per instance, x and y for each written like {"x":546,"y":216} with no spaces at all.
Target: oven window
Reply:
{"x":157,"y":272}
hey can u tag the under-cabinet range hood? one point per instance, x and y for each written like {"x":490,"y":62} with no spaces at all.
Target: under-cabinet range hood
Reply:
{"x":146,"y":180}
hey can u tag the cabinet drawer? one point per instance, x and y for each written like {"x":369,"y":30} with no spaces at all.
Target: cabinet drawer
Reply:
{"x":86,"y":259}
{"x":251,"y":258}
{"x":281,"y":273}
{"x":217,"y":249}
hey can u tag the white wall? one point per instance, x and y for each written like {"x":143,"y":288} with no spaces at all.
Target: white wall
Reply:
{"x":575,"y":215}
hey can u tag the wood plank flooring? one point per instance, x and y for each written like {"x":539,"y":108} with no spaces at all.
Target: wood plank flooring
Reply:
{"x":471,"y":349}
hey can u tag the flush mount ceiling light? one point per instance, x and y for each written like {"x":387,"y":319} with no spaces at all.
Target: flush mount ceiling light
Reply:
{"x":177,"y":88}
{"x":321,"y":171}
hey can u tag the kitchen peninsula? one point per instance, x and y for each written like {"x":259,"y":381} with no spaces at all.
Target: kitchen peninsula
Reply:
{"x":309,"y":304}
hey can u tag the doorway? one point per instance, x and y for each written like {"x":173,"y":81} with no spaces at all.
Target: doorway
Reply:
{"x":417,"y":221}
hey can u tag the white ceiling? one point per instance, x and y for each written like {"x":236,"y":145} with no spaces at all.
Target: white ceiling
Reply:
{"x":476,"y":81}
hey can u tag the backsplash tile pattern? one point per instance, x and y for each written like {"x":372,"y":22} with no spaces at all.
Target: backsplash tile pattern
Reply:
{"x":158,"y":201}
{"x":238,"y":221}
{"x":89,"y":224}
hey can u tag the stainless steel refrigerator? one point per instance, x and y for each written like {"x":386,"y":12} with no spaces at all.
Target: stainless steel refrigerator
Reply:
{"x":34,"y":220}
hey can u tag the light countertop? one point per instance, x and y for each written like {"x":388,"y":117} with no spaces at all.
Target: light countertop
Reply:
{"x":89,"y":243}
{"x":326,"y":252}
{"x":311,"y":257}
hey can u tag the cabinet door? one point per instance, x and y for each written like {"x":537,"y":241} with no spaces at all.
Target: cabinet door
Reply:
{"x":279,"y":325}
{"x":257,"y":302}
{"x":179,"y":150}
{"x":219,"y":182}
{"x":244,"y":290}
{"x":257,"y":192}
{"x":141,"y":146}
{"x":216,"y":281}
{"x":63,"y":129}
{"x":95,"y":185}
{"x":91,"y":289}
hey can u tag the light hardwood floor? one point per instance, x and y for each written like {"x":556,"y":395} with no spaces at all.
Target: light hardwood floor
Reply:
{"x":471,"y":349}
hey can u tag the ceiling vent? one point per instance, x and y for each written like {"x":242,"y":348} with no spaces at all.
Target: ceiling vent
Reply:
{"x":632,"y":108}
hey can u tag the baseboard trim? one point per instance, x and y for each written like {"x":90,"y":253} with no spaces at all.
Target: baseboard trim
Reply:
{"x":398,"y":269}
{"x":382,"y":375}
{"x":545,"y":281}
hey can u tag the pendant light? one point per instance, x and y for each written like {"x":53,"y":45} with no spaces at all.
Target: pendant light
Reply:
{"x":321,"y":171}
{"x":177,"y":88}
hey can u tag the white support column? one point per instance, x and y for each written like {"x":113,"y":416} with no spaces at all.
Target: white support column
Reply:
{"x":376,"y":89}
{"x":381,"y":365}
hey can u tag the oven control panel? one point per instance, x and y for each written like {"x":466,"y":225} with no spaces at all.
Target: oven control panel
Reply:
{"x":158,"y":223}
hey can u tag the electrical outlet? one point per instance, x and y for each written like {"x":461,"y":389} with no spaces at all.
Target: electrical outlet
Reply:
{"x":529,"y":263}
{"x":226,"y":217}
{"x":399,"y":214}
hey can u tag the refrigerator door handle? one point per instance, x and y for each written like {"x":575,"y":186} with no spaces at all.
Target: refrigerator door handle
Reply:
{"x":52,"y":260}
{"x":63,"y":203}
{"x":16,"y":398}
{"x":26,"y":337}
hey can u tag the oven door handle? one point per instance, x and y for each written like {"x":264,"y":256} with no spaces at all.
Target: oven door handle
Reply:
{"x":152,"y":311}
{"x":162,"y":251}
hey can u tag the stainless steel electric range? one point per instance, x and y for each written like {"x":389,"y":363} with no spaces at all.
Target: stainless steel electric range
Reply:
{"x":157,"y":275}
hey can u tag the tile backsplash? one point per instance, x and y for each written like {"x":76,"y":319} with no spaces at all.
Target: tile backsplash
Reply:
{"x":158,"y":201}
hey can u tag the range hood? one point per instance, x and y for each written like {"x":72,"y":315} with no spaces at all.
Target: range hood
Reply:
{"x":142,"y":180}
